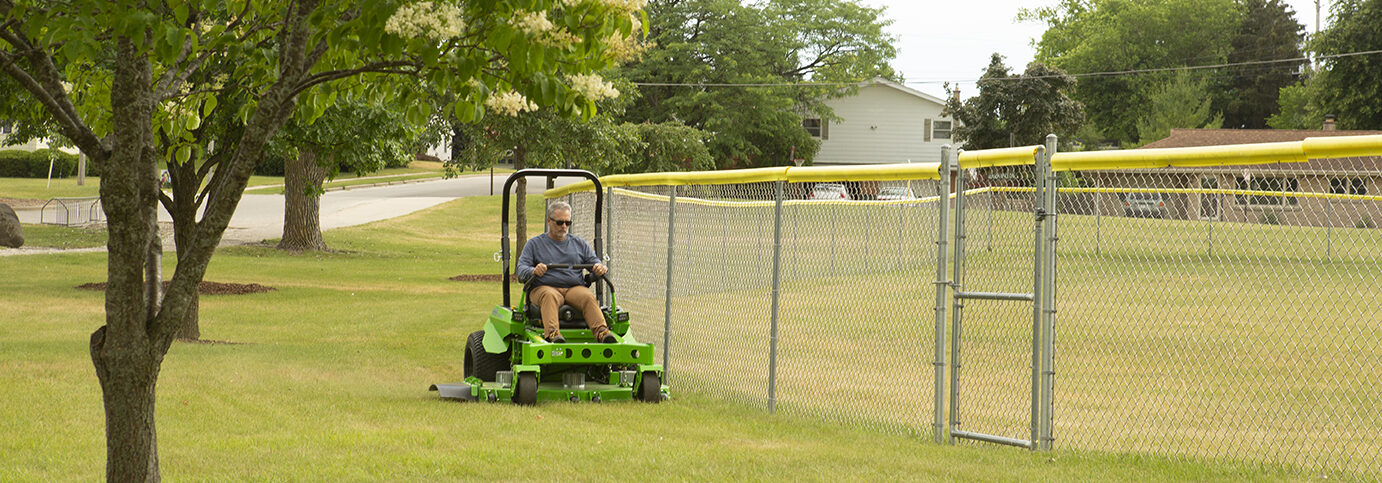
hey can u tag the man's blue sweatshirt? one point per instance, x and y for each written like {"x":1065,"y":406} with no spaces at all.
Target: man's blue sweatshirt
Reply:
{"x":543,"y":249}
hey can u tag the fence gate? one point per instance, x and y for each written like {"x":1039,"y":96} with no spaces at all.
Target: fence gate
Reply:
{"x":1003,"y":298}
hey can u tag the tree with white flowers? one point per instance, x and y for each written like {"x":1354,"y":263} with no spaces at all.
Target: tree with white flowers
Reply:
{"x":138,"y":84}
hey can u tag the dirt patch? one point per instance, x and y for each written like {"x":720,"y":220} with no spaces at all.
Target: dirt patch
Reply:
{"x":493,"y":277}
{"x":206,"y":288}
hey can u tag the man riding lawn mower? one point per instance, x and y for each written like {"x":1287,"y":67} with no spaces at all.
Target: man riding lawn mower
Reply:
{"x":557,"y":343}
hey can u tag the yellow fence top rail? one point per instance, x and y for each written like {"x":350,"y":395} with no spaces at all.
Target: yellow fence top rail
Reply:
{"x":988,"y":158}
{"x":872,"y":172}
{"x":1228,"y":155}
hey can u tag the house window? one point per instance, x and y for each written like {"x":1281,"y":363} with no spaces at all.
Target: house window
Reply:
{"x":1273,"y":185}
{"x":940,"y":130}
{"x":816,"y":128}
{"x":5,"y":127}
{"x":1348,"y":186}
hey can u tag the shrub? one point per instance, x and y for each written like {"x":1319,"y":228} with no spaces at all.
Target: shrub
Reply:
{"x":34,"y":164}
{"x":1365,"y":222}
{"x":1270,"y":218}
{"x":270,"y":164}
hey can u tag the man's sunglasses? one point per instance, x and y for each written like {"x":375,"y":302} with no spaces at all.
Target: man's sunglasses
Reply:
{"x":561,"y":222}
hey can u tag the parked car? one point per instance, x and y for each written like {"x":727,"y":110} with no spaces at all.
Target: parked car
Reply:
{"x":891,"y":193}
{"x":1151,"y":205}
{"x":828,"y":191}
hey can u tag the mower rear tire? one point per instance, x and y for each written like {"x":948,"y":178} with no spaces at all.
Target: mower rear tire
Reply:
{"x":526,"y":392}
{"x":481,"y":363}
{"x":650,"y":390}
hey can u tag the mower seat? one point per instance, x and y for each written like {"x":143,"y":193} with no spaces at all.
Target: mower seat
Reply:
{"x":567,"y":317}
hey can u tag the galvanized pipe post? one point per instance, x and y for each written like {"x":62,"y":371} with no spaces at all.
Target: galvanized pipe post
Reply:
{"x":942,"y":287}
{"x":667,"y":309}
{"x":1048,"y":372}
{"x":1038,"y":294}
{"x":609,"y":235}
{"x":777,"y":270}
{"x":958,"y":305}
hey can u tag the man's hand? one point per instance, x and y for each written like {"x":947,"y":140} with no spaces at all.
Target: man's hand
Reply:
{"x":599,"y":269}
{"x":540,"y":269}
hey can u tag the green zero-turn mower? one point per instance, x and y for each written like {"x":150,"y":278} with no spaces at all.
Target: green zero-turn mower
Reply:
{"x":510,"y":361}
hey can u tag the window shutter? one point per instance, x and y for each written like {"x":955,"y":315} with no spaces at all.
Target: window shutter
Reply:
{"x":926,"y":129}
{"x":825,"y":129}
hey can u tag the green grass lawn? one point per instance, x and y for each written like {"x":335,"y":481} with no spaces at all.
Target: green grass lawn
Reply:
{"x":56,"y":236}
{"x":325,"y":379}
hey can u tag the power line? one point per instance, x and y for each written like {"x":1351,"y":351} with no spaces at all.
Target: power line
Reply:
{"x":1298,"y":60}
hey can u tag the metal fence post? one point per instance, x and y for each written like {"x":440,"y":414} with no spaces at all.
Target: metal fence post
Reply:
{"x":1049,"y":297}
{"x":942,"y":286}
{"x":609,"y":233}
{"x":667,"y":313}
{"x":1038,"y":294}
{"x":958,"y":305}
{"x":777,"y":270}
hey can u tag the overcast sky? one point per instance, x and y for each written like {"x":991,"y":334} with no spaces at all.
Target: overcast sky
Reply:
{"x":940,"y":41}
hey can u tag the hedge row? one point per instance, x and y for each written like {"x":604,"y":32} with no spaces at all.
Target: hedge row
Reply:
{"x":34,"y":164}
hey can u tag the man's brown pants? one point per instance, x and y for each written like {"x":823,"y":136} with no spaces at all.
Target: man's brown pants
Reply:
{"x":549,"y":299}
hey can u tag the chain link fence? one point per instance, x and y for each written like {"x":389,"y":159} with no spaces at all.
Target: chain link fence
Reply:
{"x":1224,"y":309}
{"x":855,"y":292}
{"x":1226,"y":312}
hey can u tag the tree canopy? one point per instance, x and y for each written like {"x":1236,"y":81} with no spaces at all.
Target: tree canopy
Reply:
{"x":1015,"y":110}
{"x":133,"y":85}
{"x":697,"y":42}
{"x":1093,"y":36}
{"x":1348,"y":86}
{"x":1269,"y":31}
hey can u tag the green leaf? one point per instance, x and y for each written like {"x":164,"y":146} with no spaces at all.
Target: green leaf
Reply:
{"x":184,"y":153}
{"x":208,"y":107}
{"x":180,"y":13}
{"x":193,"y":122}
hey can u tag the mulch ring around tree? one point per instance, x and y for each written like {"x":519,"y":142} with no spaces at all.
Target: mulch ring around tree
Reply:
{"x":206,"y":288}
{"x":492,"y":277}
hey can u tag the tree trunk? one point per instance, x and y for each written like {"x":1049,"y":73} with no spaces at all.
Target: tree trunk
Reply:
{"x":126,"y":358}
{"x":185,"y":183}
{"x":128,"y":378}
{"x":520,"y":205}
{"x":302,"y":186}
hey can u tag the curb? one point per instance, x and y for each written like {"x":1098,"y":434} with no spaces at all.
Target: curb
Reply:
{"x":382,"y":183}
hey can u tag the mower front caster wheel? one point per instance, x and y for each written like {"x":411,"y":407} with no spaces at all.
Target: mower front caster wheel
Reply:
{"x":526,"y":392}
{"x":650,"y":390}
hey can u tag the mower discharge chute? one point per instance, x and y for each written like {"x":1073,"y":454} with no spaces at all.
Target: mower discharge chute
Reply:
{"x":510,"y":361}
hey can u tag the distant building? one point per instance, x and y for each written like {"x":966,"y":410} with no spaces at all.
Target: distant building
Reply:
{"x":883,"y":123}
{"x":1322,"y":178}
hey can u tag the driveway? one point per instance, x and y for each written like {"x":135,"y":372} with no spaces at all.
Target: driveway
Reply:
{"x":260,"y":217}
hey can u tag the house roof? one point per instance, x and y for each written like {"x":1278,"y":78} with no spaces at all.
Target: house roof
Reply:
{"x":879,"y":81}
{"x":1185,"y":138}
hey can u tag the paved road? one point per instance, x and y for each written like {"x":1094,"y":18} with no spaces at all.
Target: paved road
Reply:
{"x":260,"y":217}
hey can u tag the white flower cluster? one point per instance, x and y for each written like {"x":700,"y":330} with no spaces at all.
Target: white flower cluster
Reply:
{"x":509,"y":103}
{"x":592,"y":86}
{"x":534,"y":23}
{"x":571,"y":3}
{"x":623,"y":48}
{"x":625,"y":5}
{"x":439,"y":21}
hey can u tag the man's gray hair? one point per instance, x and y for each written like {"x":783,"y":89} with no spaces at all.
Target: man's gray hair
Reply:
{"x":557,"y":205}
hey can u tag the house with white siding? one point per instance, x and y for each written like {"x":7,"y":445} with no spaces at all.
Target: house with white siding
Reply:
{"x":884,"y":122}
